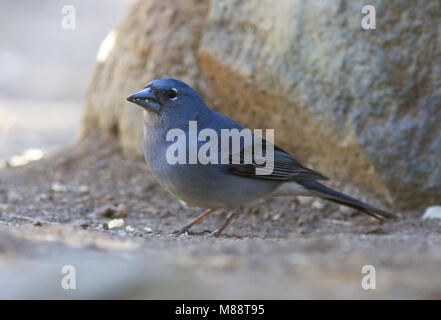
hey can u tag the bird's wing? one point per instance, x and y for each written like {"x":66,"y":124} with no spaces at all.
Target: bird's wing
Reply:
{"x":284,"y":166}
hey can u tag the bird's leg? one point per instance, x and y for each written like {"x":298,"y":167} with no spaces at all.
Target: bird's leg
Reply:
{"x":195,"y":221}
{"x":226,"y":224}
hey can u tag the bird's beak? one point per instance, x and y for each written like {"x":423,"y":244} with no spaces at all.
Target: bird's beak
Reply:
{"x":146,"y":99}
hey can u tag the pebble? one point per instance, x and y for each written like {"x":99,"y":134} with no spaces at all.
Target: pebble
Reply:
{"x":119,"y":211}
{"x":148,"y":229}
{"x":104,"y":226}
{"x":116,"y":223}
{"x":105,"y":211}
{"x":17,"y":161}
{"x":58,"y":187}
{"x":318,"y":204}
{"x":130,"y":229}
{"x":433,"y":212}
{"x":33,"y":154}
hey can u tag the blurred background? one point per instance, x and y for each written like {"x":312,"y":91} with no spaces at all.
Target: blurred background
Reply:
{"x":45,"y":71}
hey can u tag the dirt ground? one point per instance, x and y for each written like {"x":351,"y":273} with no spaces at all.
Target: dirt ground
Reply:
{"x":57,"y":212}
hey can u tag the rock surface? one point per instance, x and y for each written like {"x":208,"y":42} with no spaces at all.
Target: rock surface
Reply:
{"x":360,"y":106}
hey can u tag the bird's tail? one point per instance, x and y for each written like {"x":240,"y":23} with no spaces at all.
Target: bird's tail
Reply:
{"x":324,"y":192}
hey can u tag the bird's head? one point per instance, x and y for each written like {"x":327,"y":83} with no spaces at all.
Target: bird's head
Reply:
{"x":170,"y":99}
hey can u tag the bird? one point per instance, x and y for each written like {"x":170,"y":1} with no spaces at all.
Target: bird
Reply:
{"x":170,"y":104}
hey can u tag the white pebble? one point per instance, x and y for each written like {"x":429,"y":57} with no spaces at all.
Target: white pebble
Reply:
{"x":33,"y":154}
{"x":318,"y":204}
{"x":58,"y":187}
{"x":17,"y":161}
{"x":116,"y":223}
{"x":432,"y":213}
{"x":130,"y":229}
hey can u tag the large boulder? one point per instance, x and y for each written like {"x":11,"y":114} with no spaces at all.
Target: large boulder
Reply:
{"x":358,"y":105}
{"x":156,"y":38}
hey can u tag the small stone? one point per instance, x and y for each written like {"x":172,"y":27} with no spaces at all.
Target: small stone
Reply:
{"x":116,"y":223}
{"x":33,"y":154}
{"x":119,"y":211}
{"x":130,"y":229}
{"x":38,"y":224}
{"x":148,"y":229}
{"x":318,"y":204}
{"x":17,"y":161}
{"x":106,"y":212}
{"x":58,"y":187}
{"x":433,"y":212}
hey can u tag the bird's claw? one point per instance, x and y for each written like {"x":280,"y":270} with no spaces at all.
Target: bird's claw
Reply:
{"x":214,"y":234}
{"x":181,"y":231}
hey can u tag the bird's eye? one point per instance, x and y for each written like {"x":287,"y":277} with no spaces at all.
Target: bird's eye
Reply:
{"x":172,"y":93}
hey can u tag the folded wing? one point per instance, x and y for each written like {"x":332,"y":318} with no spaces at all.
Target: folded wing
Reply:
{"x":282,"y":166}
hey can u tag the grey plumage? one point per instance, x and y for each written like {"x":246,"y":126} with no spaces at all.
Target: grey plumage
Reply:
{"x":170,"y":104}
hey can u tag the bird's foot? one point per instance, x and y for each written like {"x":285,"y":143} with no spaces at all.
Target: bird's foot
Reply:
{"x":214,"y":234}
{"x":195,"y":221}
{"x":218,"y":232}
{"x":182,"y":230}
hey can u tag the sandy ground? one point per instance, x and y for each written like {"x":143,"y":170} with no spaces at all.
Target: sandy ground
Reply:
{"x":57,"y":211}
